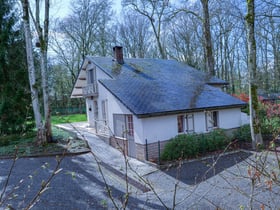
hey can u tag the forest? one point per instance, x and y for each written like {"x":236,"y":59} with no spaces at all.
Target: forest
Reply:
{"x":173,"y":30}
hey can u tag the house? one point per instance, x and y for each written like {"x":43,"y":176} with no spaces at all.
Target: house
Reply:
{"x":139,"y":104}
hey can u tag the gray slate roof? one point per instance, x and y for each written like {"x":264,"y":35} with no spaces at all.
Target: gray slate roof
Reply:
{"x":149,"y":87}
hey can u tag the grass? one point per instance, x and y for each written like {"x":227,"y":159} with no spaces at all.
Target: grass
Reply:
{"x":68,"y":118}
{"x":26,"y":146}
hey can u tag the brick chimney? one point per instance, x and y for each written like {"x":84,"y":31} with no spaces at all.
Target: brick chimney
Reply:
{"x":118,"y":53}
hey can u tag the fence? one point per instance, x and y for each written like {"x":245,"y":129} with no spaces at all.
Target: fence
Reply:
{"x":68,"y":110}
{"x":153,"y":150}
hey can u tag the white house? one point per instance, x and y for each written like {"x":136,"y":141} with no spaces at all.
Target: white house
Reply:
{"x":138,"y":103}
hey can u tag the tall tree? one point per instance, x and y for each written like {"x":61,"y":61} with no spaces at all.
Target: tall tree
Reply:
{"x":14,"y":94}
{"x":204,"y":27}
{"x":134,"y":34}
{"x":43,"y":128}
{"x":210,"y":64}
{"x":252,"y":71}
{"x":43,"y":34}
{"x":84,"y":32}
{"x":186,"y":41}
{"x":33,"y":82}
{"x":157,"y":13}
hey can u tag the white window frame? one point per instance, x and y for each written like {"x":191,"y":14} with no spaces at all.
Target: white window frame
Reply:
{"x":185,"y":123}
{"x":91,"y":75}
{"x":104,"y":105}
{"x":190,"y":123}
{"x":211,"y":120}
{"x":127,"y":127}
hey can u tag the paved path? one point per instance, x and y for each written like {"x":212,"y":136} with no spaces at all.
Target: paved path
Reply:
{"x":80,"y":185}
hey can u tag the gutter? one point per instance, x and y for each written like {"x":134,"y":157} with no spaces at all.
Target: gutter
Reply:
{"x":203,"y":109}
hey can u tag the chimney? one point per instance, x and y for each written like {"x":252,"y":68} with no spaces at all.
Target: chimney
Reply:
{"x":118,"y":54}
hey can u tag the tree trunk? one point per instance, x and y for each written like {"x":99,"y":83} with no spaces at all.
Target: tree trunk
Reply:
{"x":47,"y":111}
{"x":43,"y":37}
{"x":255,"y":123}
{"x":207,"y":36}
{"x":31,"y":73}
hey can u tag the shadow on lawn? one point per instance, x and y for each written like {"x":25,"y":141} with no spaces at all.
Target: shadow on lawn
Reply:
{"x":197,"y":171}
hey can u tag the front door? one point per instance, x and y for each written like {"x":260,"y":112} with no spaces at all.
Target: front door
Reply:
{"x":123,"y":128}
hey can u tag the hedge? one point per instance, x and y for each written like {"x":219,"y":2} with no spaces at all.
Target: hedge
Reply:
{"x":186,"y":146}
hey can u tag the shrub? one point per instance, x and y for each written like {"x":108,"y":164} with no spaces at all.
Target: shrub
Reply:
{"x":216,"y":140}
{"x":175,"y":149}
{"x":243,"y":133}
{"x":270,"y":126}
{"x":191,"y":145}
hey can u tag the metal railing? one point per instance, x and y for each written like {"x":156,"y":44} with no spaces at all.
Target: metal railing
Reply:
{"x":90,"y":90}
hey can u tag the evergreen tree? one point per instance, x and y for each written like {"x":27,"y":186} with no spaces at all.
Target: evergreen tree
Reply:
{"x":15,"y":109}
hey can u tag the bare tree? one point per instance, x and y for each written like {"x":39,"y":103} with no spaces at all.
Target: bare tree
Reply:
{"x":134,"y":34}
{"x":84,"y":32}
{"x":157,"y":13}
{"x":227,"y":32}
{"x":31,"y":71}
{"x":43,"y":34}
{"x":252,"y":70}
{"x":186,"y":41}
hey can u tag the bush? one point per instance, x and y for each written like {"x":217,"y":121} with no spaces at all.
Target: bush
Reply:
{"x":270,"y":126}
{"x":192,"y":145}
{"x":243,"y":133}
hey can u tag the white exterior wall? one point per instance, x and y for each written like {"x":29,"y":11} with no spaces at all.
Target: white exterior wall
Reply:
{"x":114,"y":107}
{"x":154,"y":128}
{"x":90,"y":115}
{"x":89,"y":102}
{"x":199,"y":122}
{"x":230,"y":118}
{"x":165,"y":127}
{"x":159,"y":128}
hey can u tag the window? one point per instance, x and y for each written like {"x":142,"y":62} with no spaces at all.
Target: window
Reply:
{"x":104,"y":111}
{"x":215,"y":119}
{"x":119,"y":125}
{"x":180,"y":122}
{"x":91,"y":75}
{"x":123,"y":125}
{"x":189,"y":123}
{"x":185,"y":123}
{"x":211,"y":118}
{"x":95,"y":104}
{"x":130,"y":129}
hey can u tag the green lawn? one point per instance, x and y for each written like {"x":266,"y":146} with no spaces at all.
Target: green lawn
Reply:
{"x":25,"y":145}
{"x":59,"y":119}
